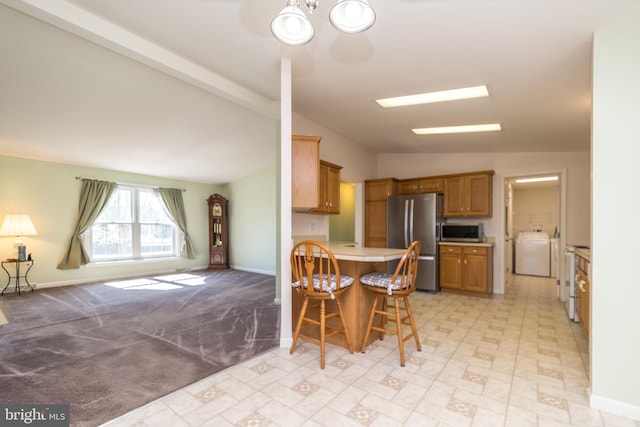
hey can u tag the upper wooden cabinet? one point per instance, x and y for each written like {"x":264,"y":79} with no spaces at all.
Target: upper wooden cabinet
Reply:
{"x":377,"y":190}
{"x":468,"y":195}
{"x":375,"y":210}
{"x":421,"y":185}
{"x":315,"y":184}
{"x":305,"y":172}
{"x":329,"y":193}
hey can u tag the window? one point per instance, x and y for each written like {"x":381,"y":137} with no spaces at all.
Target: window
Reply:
{"x":133,"y":225}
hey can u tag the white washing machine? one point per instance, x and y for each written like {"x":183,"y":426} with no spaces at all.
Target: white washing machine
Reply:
{"x":533,"y":253}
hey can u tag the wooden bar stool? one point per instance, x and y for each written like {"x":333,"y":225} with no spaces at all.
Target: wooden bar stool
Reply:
{"x":316,"y":276}
{"x":398,"y":285}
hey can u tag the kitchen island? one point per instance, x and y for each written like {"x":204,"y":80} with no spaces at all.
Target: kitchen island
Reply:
{"x":356,"y":302}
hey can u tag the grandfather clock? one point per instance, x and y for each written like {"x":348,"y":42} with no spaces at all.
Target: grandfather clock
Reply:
{"x":218,"y":232}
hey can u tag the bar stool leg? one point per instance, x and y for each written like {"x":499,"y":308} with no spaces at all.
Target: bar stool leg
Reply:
{"x":370,"y":323}
{"x":413,"y":323}
{"x":322,"y":332}
{"x":344,"y":325}
{"x":303,"y":311}
{"x":399,"y":330}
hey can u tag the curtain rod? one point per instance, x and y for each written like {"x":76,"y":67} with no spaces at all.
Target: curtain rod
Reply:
{"x":135,"y":185}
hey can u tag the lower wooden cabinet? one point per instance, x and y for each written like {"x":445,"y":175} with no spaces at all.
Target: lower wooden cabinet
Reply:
{"x":466,"y":268}
{"x":583,"y":293}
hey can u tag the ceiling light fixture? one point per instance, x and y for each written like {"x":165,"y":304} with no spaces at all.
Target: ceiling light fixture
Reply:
{"x":440,"y":96}
{"x":538,"y":179}
{"x":490,"y":127}
{"x":292,"y":27}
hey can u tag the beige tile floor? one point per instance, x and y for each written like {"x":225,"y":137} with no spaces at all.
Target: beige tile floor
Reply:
{"x":511,"y":360}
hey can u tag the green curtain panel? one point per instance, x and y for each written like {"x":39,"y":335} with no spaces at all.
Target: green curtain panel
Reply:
{"x":94,"y":196}
{"x":175,"y":207}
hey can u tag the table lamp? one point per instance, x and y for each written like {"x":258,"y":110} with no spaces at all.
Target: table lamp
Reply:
{"x":18,"y":225}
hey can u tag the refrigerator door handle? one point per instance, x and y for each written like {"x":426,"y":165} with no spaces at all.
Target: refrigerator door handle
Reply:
{"x":427,"y":257}
{"x":410,"y":225}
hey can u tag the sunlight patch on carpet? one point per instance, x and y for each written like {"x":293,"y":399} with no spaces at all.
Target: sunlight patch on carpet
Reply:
{"x":160,"y":283}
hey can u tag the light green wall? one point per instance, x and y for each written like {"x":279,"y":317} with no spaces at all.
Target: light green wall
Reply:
{"x":49,"y":193}
{"x":252,"y":225}
{"x":615,"y":288}
{"x":342,"y":227}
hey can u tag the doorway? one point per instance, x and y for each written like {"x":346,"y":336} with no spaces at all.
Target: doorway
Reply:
{"x":535,"y":203}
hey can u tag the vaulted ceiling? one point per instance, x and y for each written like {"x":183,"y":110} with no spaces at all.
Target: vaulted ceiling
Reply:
{"x":160,"y":86}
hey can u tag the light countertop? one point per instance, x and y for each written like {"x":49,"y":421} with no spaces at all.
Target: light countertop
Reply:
{"x":348,"y":251}
{"x":584,"y":253}
{"x":351,"y":253}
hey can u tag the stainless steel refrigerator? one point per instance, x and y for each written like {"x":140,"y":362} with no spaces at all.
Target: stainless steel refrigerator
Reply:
{"x":416,"y":217}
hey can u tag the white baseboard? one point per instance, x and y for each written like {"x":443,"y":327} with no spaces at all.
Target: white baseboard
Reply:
{"x":253,"y":270}
{"x":286,"y":342}
{"x":615,"y":407}
{"x":83,"y":281}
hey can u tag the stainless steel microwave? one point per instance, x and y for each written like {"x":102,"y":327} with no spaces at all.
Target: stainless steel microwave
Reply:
{"x":462,"y":232}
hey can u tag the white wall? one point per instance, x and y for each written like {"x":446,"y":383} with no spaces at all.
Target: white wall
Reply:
{"x":358,"y":163}
{"x":615,"y":287}
{"x":535,"y":206}
{"x":505,"y":165}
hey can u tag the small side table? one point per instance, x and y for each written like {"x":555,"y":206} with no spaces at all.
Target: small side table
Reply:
{"x":19,"y":275}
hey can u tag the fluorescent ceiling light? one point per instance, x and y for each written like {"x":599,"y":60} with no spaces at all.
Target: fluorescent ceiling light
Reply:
{"x":426,"y":98}
{"x":490,"y":127}
{"x":538,"y":179}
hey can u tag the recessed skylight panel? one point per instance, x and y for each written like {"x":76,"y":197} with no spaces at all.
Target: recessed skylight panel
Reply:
{"x":489,"y":127}
{"x":431,"y":97}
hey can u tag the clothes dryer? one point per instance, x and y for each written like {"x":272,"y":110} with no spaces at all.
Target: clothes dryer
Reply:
{"x":533,"y":254}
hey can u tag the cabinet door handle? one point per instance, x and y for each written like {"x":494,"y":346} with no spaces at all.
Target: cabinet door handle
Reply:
{"x":581,"y":284}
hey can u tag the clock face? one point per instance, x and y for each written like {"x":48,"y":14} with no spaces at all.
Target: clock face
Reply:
{"x":216,"y":209}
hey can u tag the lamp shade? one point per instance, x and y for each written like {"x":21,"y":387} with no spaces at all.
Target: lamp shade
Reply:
{"x":352,"y":16}
{"x":17,"y":225}
{"x":291,"y":26}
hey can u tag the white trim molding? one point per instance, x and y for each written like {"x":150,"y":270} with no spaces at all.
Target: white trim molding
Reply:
{"x":615,"y":407}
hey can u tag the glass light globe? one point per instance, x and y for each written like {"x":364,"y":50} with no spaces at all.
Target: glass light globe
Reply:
{"x":352,"y":16}
{"x":292,"y":27}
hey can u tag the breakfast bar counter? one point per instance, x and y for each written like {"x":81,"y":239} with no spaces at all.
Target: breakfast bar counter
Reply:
{"x":350,"y":253}
{"x":356,"y":302}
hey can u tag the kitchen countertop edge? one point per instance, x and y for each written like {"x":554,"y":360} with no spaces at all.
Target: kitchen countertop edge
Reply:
{"x":350,"y":253}
{"x":584,"y":253}
{"x":483,"y":244}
